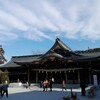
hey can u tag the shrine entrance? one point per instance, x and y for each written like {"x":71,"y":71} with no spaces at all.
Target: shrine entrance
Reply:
{"x":70,"y":76}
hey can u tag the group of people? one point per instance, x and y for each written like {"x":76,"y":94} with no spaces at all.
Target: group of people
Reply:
{"x":82,"y":85}
{"x":47,"y":83}
{"x":4,"y":89}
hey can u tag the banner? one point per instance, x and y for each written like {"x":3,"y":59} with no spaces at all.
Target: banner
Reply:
{"x":95,"y":81}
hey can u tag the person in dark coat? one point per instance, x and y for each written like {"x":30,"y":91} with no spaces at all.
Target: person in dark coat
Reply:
{"x":83,"y":86}
{"x":4,"y":89}
{"x":1,"y":88}
{"x":50,"y":84}
{"x":41,"y":84}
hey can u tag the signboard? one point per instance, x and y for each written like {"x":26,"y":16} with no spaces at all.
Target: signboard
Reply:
{"x":95,"y":81}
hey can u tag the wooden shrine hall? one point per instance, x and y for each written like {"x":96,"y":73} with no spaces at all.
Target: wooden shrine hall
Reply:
{"x":59,"y":62}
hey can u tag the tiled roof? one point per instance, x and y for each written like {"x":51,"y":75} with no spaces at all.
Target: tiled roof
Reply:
{"x":20,"y":59}
{"x":64,"y":46}
{"x":58,"y":50}
{"x":89,"y":53}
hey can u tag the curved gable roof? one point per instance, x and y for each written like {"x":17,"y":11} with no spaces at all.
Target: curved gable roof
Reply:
{"x":62,"y":45}
{"x":61,"y":49}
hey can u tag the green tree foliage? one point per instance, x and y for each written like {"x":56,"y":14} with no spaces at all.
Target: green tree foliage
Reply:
{"x":4,"y":76}
{"x":2,"y":58}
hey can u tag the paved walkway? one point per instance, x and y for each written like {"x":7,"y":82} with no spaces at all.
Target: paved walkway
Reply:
{"x":35,"y":93}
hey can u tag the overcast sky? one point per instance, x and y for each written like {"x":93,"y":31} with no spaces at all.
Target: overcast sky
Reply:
{"x":27,"y":26}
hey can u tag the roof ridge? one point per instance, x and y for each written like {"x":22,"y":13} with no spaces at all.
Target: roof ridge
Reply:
{"x":26,"y":56}
{"x":63,"y":45}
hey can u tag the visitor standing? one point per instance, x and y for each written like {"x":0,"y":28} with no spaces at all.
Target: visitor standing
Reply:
{"x":27,"y":84}
{"x":50,"y":84}
{"x":45,"y":85}
{"x":4,"y":89}
{"x":52,"y":80}
{"x":41,"y":84}
{"x":83,"y":86}
{"x":63,"y":85}
{"x":1,"y":86}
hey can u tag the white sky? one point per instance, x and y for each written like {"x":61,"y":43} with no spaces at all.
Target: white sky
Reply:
{"x":34,"y":19}
{"x":27,"y":26}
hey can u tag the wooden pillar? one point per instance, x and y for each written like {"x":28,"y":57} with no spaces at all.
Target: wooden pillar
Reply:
{"x":78,"y":76}
{"x":66,"y":77}
{"x":73,"y":76}
{"x":36,"y":76}
{"x":28,"y":75}
{"x":89,"y":77}
{"x":47,"y":75}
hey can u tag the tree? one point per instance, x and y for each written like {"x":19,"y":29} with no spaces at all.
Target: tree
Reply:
{"x":2,"y":58}
{"x":4,"y":76}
